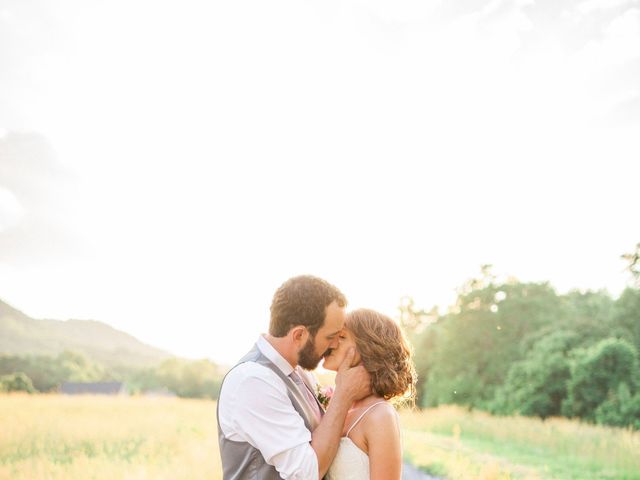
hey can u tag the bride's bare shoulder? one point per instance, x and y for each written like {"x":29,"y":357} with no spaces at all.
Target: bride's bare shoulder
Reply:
{"x":382,"y":419}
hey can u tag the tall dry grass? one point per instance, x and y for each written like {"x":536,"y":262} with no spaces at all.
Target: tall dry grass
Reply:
{"x":66,"y":437}
{"x":58,"y":437}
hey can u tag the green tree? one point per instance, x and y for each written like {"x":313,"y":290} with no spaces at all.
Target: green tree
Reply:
{"x":76,"y":367}
{"x":412,"y":320}
{"x":591,"y":315}
{"x":47,"y":373}
{"x":479,"y":340}
{"x":633,"y":264}
{"x":537,"y":385}
{"x":597,"y":372}
{"x":16,"y":382}
{"x":200,"y":378}
{"x":620,"y":409}
{"x":626,"y":316}
{"x":418,"y":326}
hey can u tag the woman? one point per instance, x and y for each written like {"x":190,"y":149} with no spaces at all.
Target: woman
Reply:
{"x":370,"y":446}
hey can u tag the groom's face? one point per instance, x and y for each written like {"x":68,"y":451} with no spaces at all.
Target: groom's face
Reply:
{"x":325,"y":339}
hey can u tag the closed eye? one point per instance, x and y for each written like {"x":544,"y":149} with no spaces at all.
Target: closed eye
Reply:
{"x":333,"y":335}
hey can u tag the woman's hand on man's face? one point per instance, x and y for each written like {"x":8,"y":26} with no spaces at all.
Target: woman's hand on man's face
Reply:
{"x":353,"y":381}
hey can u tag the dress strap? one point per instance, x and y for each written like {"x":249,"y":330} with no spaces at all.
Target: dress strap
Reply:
{"x":362,"y":415}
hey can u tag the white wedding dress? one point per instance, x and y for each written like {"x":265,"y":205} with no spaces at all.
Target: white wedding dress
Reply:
{"x":350,"y":462}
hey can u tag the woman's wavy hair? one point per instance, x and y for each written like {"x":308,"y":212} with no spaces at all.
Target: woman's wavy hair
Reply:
{"x":385,"y":354}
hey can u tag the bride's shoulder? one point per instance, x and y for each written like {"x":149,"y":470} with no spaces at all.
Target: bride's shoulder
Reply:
{"x":382,"y":416}
{"x":384,"y":409}
{"x":381,"y":432}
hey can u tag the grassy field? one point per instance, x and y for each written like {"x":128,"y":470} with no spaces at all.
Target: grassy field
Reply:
{"x":73,"y":438}
{"x":458,"y":444}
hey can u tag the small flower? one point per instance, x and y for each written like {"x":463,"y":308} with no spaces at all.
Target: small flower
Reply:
{"x":324,"y":395}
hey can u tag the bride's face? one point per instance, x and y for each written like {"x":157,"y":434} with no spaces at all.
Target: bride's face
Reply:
{"x":333,"y":360}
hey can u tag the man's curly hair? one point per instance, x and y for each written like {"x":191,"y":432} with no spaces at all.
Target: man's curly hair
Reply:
{"x":385,"y":354}
{"x":302,"y":300}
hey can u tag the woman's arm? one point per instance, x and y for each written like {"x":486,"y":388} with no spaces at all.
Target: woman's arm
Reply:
{"x":382,"y":433}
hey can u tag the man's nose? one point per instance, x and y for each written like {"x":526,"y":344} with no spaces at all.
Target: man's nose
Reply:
{"x":334,"y":343}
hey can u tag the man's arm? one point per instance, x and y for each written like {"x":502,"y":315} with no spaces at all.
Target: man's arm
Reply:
{"x":351,"y":384}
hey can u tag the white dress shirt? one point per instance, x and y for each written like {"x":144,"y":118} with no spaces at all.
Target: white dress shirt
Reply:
{"x":254,"y":408}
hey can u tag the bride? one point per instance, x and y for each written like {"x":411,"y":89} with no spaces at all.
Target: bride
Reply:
{"x":370,"y":447}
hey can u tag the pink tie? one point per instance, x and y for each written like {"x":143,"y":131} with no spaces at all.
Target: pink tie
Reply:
{"x":311,"y":399}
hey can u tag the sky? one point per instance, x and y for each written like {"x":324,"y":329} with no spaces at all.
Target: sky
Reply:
{"x":165,"y":165}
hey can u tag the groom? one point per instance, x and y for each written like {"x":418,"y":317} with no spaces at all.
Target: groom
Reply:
{"x":270,"y":424}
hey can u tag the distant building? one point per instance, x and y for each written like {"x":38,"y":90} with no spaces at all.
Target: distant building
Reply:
{"x":93,"y":388}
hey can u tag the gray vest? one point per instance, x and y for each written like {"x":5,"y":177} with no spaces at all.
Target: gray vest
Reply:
{"x":240,"y":460}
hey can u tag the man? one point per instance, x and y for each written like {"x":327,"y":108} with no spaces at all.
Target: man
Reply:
{"x":270,"y":424}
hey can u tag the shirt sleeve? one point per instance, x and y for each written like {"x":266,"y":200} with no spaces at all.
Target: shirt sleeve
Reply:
{"x":262,"y":415}
{"x":299,"y":463}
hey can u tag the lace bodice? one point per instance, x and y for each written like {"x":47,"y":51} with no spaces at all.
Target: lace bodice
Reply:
{"x":350,"y":463}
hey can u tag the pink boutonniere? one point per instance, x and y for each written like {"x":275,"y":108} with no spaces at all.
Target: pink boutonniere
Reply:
{"x":324,"y":395}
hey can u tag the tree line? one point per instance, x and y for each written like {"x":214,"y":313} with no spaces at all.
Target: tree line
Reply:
{"x":521,"y":348}
{"x":41,"y":373}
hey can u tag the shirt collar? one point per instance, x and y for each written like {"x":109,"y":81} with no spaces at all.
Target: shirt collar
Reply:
{"x":272,"y":354}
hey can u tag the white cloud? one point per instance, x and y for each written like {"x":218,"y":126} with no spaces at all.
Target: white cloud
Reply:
{"x":626,"y":26}
{"x":34,"y":201}
{"x":6,"y":16}
{"x":593,"y":6}
{"x":10,"y":209}
{"x":620,"y":43}
{"x":506,"y":21}
{"x":626,"y":111}
{"x":402,"y":11}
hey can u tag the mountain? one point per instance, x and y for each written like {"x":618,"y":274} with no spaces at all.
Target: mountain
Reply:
{"x":23,"y":335}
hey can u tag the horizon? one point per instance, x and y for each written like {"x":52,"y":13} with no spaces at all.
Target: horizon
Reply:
{"x":442,"y":309}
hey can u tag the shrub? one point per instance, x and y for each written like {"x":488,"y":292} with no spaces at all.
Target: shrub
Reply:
{"x":16,"y":382}
{"x":620,"y":409}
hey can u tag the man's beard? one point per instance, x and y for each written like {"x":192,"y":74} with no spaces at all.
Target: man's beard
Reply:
{"x":307,"y":358}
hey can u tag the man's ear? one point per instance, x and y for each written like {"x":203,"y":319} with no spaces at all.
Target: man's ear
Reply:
{"x":299,"y":334}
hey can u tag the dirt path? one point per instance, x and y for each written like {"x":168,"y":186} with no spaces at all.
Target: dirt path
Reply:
{"x":409,"y":472}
